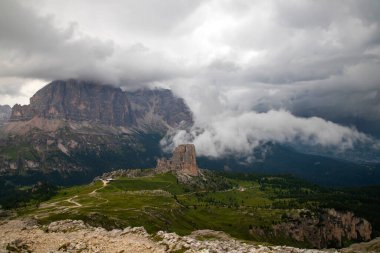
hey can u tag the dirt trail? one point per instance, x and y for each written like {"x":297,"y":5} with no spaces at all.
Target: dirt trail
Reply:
{"x":105,"y":183}
{"x":70,"y":200}
{"x":94,"y":193}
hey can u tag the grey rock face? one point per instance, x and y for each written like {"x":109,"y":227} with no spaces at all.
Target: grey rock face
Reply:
{"x":67,"y":122}
{"x":154,"y":106}
{"x":5,"y":113}
{"x":76,"y":236}
{"x":327,"y":229}
{"x":89,"y":101}
{"x":183,"y":161}
{"x":77,"y":101}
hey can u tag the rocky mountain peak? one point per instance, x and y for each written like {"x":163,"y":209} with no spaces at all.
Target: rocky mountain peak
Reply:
{"x":87,"y":101}
{"x":183,"y":161}
{"x":77,"y":101}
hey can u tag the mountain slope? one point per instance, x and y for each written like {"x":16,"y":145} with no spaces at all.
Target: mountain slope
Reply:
{"x":74,"y":130}
{"x":253,"y":208}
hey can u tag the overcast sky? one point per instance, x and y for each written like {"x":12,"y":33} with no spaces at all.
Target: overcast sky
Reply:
{"x":251,"y":71}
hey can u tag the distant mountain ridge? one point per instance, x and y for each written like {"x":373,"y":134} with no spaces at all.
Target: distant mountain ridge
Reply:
{"x":277,"y":159}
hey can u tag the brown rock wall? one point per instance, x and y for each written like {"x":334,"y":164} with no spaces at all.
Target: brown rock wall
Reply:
{"x":182,"y":162}
{"x":79,"y":101}
{"x":328,"y":229}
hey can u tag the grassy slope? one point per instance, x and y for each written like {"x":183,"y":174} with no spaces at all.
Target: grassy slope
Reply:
{"x":134,"y":202}
{"x":161,"y":203}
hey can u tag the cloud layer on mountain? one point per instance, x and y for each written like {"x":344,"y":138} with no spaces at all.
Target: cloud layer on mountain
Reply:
{"x":252,"y":62}
{"x":243,"y":133}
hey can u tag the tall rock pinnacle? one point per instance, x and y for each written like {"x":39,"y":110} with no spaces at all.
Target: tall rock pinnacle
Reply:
{"x":183,"y":161}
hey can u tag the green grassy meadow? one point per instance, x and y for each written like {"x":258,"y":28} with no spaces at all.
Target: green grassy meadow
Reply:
{"x":160,"y":202}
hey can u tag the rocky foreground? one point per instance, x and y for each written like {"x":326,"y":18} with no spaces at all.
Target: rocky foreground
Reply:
{"x":75,"y":236}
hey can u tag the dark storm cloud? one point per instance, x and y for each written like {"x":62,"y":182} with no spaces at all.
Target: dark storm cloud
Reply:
{"x":350,"y":100}
{"x":143,"y":16}
{"x":237,"y":63}
{"x":32,"y":47}
{"x":311,"y":59}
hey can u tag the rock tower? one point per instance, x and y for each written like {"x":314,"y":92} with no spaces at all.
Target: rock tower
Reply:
{"x":182,"y":162}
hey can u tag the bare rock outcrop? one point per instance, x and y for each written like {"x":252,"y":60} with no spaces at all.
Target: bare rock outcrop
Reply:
{"x":329,"y":228}
{"x":73,"y":236}
{"x":77,"y":101}
{"x":76,"y":236}
{"x":5,"y":113}
{"x":182,"y":163}
{"x":372,"y":246}
{"x":87,"y":101}
{"x":74,"y":127}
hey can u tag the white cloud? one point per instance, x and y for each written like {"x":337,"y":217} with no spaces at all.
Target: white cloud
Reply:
{"x":242,"y":133}
{"x":18,"y":90}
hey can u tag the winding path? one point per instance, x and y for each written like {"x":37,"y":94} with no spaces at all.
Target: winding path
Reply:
{"x":70,"y":200}
{"x":105,"y":183}
{"x":94,"y":193}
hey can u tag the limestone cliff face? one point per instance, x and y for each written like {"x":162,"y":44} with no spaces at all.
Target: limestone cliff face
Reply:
{"x":183,"y":161}
{"x":152,"y":107}
{"x":88,"y":128}
{"x":80,"y":101}
{"x":5,"y":113}
{"x":327,"y":229}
